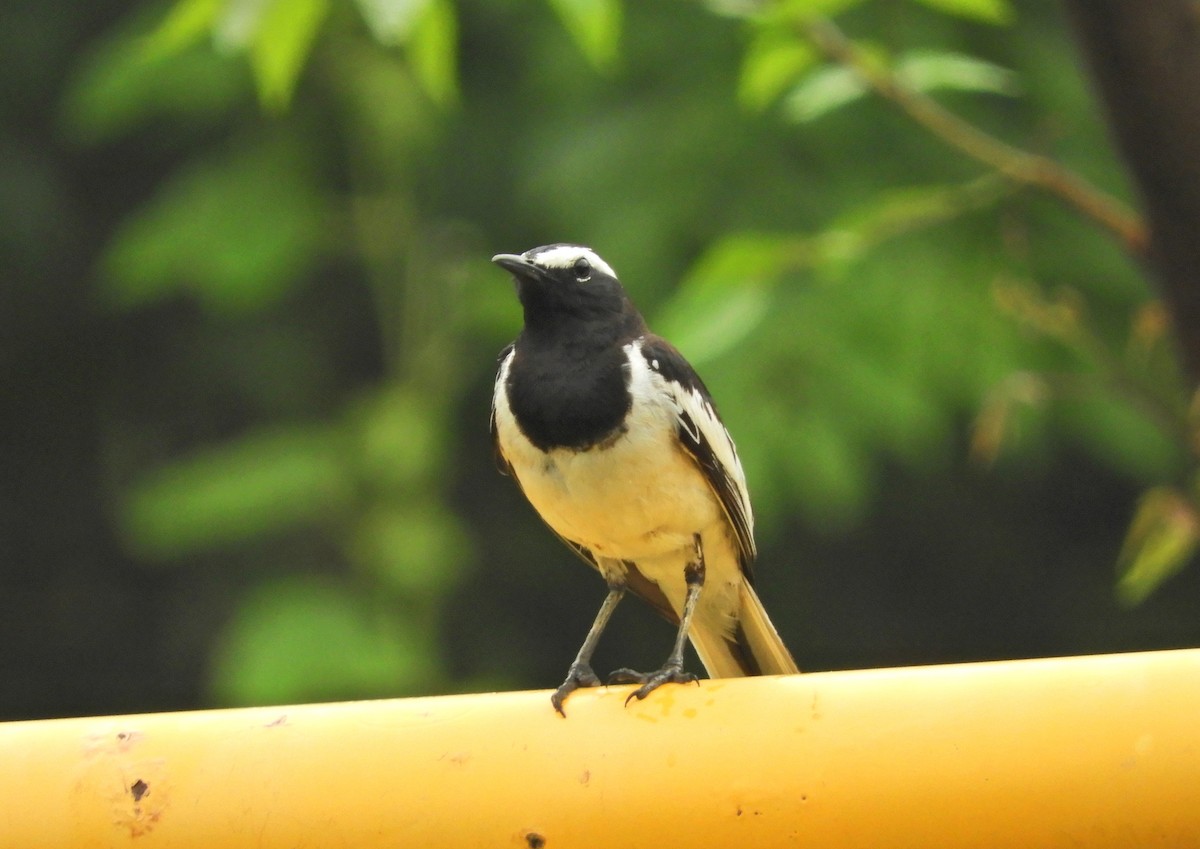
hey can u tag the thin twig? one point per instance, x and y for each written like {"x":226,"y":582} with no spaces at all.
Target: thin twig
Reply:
{"x":1016,"y":164}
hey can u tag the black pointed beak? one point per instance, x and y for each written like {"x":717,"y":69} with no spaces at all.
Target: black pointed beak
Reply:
{"x":519,"y":267}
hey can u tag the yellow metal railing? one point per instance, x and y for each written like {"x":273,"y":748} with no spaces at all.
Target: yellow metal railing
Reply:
{"x":1088,"y":751}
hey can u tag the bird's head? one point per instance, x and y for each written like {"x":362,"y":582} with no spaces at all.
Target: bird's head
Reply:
{"x":563,"y":284}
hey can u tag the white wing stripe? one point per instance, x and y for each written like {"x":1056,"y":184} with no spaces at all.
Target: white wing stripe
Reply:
{"x":695,"y":416}
{"x":708,"y":428}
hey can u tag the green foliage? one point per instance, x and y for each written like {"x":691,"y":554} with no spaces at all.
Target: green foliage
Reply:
{"x":725,"y":298}
{"x":303,"y":639}
{"x":834,"y":86}
{"x":988,"y":11}
{"x":938,"y":70}
{"x":824,"y":90}
{"x":430,"y":29}
{"x":774,"y":60}
{"x":595,"y":26}
{"x":879,"y":369}
{"x":262,"y":484}
{"x":125,"y":81}
{"x":1119,"y":429}
{"x":401,"y":442}
{"x":852,"y":292}
{"x":278,"y":37}
{"x":236,"y":231}
{"x":188,"y":22}
{"x":280,"y":46}
{"x":412,"y":548}
{"x":392,"y":21}
{"x":1161,"y":540}
{"x":729,"y":290}
{"x":433,"y":49}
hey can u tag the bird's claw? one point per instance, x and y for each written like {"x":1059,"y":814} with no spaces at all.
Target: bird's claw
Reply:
{"x":579,"y":675}
{"x":671,"y":673}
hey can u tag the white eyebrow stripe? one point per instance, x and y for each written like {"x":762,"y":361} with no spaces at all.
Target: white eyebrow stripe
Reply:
{"x":564,"y":256}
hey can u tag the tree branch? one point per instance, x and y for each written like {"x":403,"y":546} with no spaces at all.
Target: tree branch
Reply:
{"x":1018,"y":165}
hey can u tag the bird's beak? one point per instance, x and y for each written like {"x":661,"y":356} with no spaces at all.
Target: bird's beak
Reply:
{"x":519,"y":267}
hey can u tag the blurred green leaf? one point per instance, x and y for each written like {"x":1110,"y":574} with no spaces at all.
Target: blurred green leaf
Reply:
{"x":1161,"y":540}
{"x":708,"y":325}
{"x":391,"y":21}
{"x":726,"y":295}
{"x":931,"y":70}
{"x":829,"y":470}
{"x":879,"y":408}
{"x":988,"y":11}
{"x":905,"y":208}
{"x":834,"y":86}
{"x":891,"y":213}
{"x":824,"y":90}
{"x":281,"y":45}
{"x":1117,"y":429}
{"x":403,"y":441}
{"x":595,"y":26}
{"x":239,"y":23}
{"x":120,"y":86}
{"x":187,"y":22}
{"x":742,"y":258}
{"x":780,"y":10}
{"x":305,"y":639}
{"x":809,"y":8}
{"x":236,"y":231}
{"x":418,"y":549}
{"x":734,"y":8}
{"x":880,"y":362}
{"x":773,"y":62}
{"x":396,"y":126}
{"x":433,"y":51}
{"x":260,"y":484}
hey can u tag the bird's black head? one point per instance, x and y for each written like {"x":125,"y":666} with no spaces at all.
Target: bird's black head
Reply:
{"x":562,"y":285}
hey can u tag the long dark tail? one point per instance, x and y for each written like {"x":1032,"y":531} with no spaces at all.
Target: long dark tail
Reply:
{"x":755,"y":647}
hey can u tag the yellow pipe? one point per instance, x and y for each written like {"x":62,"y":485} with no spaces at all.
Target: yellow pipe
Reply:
{"x":1090,"y":751}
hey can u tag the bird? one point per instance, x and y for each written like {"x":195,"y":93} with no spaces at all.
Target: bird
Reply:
{"x":616,"y":442}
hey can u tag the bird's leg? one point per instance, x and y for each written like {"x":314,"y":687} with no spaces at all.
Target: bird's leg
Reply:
{"x":580,"y":674}
{"x":672,"y":670}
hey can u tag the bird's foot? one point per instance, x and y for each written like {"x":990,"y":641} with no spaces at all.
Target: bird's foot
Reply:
{"x":671,"y":673}
{"x":579,"y":675}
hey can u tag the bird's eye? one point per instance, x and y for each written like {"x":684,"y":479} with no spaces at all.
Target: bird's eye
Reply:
{"x":582,"y":268}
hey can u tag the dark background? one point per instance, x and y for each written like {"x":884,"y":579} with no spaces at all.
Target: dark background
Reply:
{"x":247,"y":341}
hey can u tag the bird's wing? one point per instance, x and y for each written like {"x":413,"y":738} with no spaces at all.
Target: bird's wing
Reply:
{"x":704,"y":436}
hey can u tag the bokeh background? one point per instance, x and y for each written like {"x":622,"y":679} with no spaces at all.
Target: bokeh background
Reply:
{"x":248,"y":331}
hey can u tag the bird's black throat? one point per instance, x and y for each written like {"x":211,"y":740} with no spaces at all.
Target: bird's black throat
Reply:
{"x":568,"y":385}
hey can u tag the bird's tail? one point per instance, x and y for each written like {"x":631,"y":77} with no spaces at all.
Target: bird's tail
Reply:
{"x":754,"y":648}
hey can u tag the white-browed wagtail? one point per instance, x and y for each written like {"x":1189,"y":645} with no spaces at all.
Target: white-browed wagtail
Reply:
{"x":615,"y":441}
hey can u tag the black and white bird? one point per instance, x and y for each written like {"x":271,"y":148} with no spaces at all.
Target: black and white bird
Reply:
{"x":615,"y":441}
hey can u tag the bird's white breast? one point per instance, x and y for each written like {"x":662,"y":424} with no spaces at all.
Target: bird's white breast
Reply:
{"x":634,"y":496}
